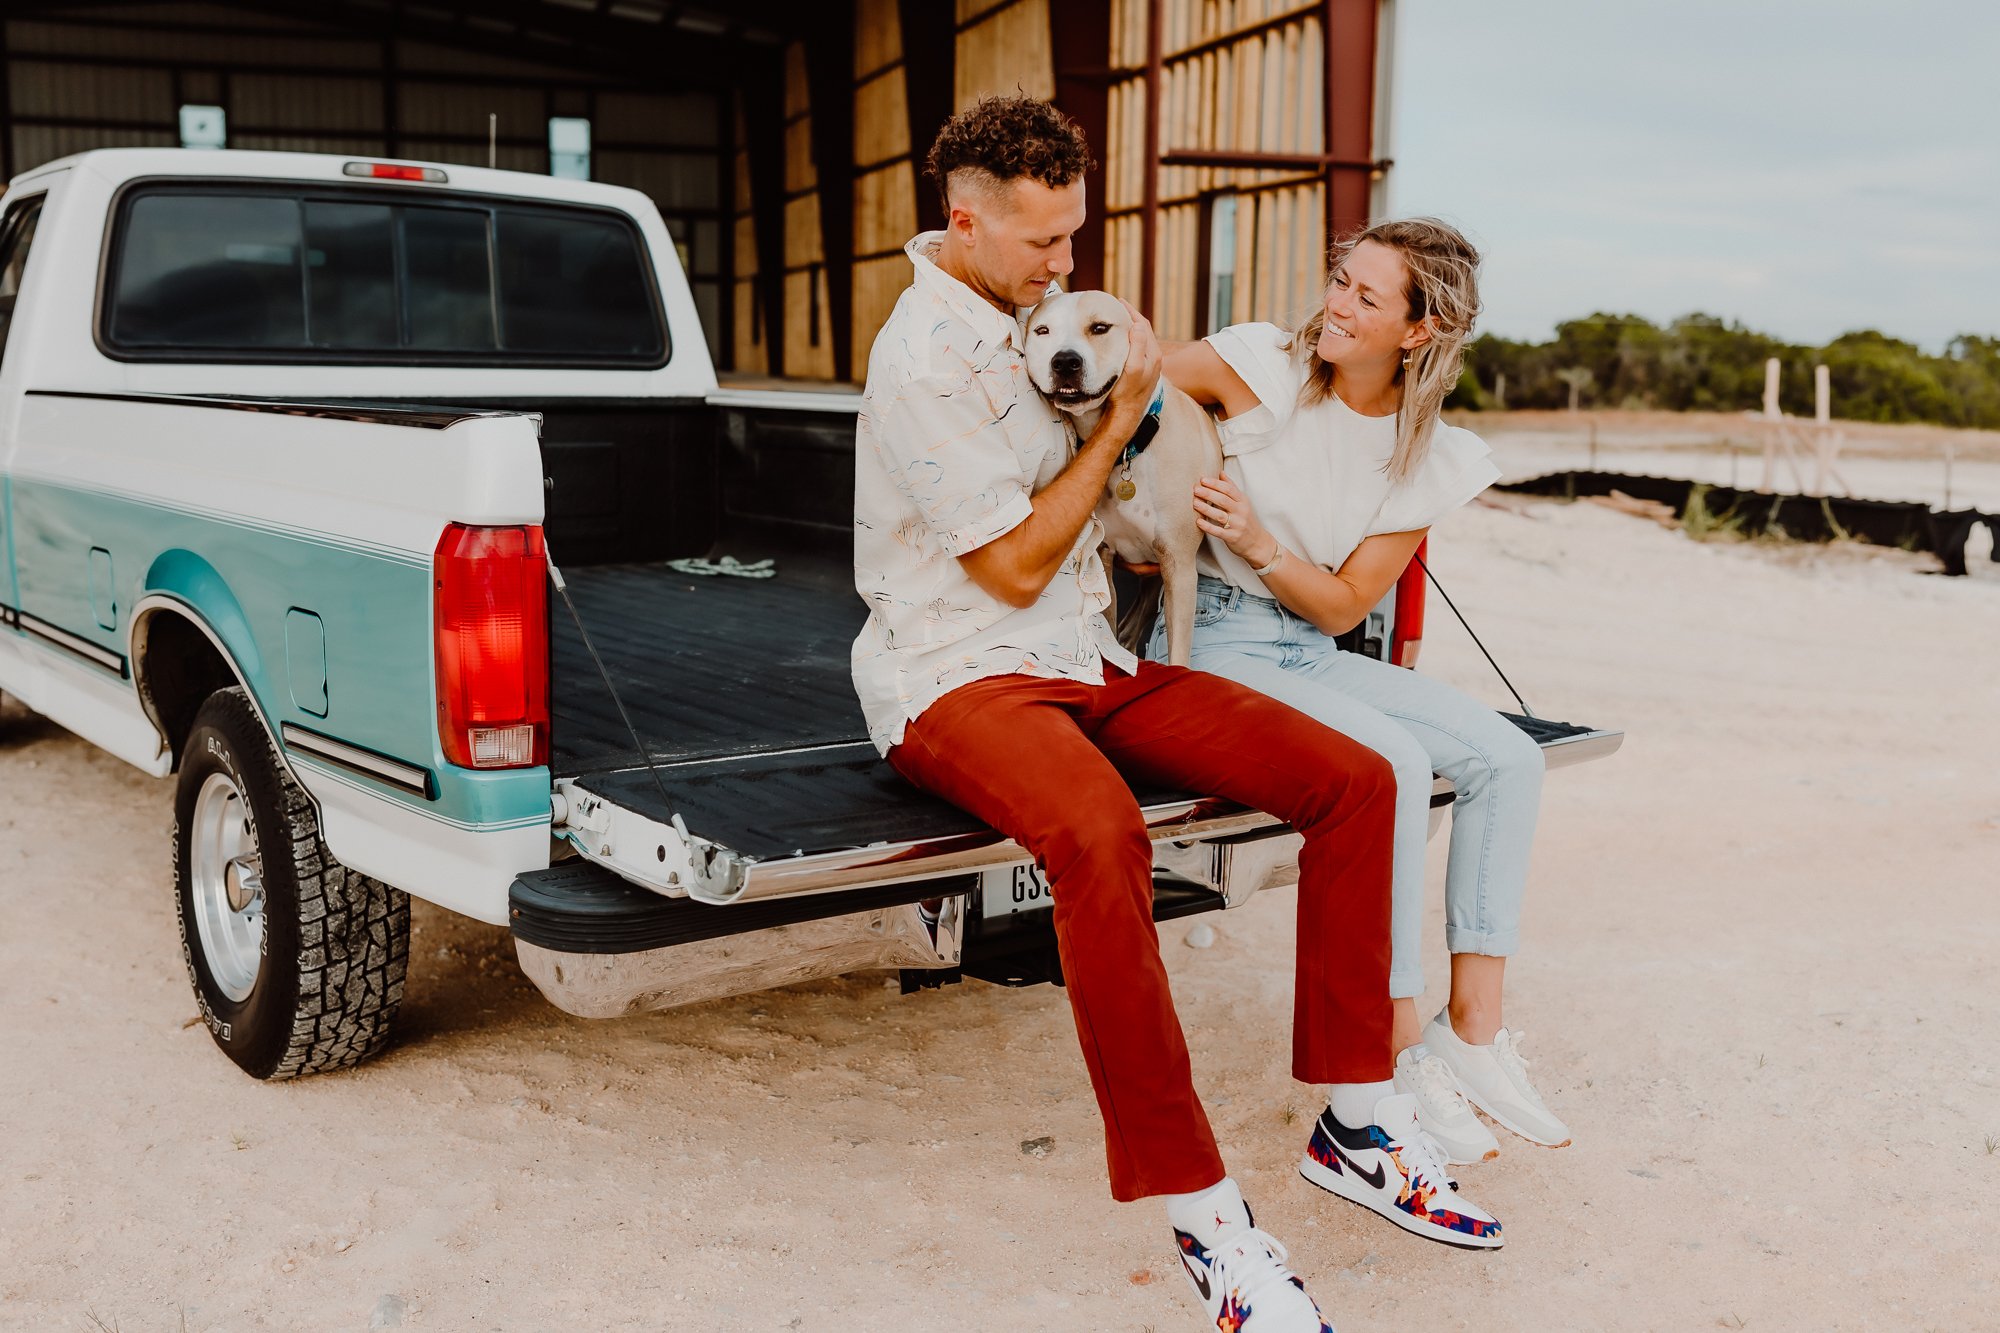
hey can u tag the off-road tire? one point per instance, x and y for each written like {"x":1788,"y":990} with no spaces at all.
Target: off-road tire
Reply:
{"x":336,"y":943}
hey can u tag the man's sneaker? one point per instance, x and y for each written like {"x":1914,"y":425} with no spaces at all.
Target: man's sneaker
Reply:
{"x":1241,"y":1278}
{"x":1441,"y":1108}
{"x":1495,"y":1079}
{"x":1392,"y":1167}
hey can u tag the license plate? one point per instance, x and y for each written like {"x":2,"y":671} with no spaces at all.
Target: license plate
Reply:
{"x":1015,"y":888}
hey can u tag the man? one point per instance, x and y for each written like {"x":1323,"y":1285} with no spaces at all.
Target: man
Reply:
{"x":989,"y":676}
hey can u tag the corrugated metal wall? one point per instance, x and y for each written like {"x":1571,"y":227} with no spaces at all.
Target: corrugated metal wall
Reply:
{"x":115,"y":76}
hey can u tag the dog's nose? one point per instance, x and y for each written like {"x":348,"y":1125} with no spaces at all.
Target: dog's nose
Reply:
{"x":1066,"y":362}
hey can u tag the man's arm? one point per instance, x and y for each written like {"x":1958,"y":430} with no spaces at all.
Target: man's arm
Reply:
{"x":1018,"y":565}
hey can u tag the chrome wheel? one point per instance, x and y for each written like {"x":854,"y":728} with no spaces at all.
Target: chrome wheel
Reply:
{"x":227,"y":875}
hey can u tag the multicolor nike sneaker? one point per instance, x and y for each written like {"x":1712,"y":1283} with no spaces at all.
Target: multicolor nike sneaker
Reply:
{"x":1244,"y":1285}
{"x":1395,"y":1169}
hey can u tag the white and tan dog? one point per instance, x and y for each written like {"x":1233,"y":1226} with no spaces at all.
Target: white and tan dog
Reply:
{"x":1076,"y":350}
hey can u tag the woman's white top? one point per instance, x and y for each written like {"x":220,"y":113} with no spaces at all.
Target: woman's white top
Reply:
{"x":1316,"y":475}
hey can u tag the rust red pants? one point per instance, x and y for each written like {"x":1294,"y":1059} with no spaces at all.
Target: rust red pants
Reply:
{"x":1046,"y":763}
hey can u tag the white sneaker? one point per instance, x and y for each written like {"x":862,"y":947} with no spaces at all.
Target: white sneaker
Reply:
{"x":1239,"y":1274}
{"x":1392,"y":1167}
{"x":1495,"y":1079}
{"x":1441,"y":1108}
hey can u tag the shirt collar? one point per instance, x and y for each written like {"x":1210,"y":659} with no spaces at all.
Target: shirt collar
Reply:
{"x":960,"y":299}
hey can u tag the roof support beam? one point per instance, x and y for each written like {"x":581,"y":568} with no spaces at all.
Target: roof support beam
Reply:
{"x":830,"y":86}
{"x":1348,"y":29}
{"x":930,"y":67}
{"x":764,"y":142}
{"x":1080,"y":37}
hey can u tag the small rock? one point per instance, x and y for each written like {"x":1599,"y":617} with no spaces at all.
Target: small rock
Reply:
{"x":1369,"y":1260}
{"x":1041,"y":1147}
{"x":389,"y":1311}
{"x":1142,"y":1278}
{"x":1643,"y":1173}
{"x":1200,"y":935}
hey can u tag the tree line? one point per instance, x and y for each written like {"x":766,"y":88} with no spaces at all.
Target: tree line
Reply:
{"x":1701,"y":363}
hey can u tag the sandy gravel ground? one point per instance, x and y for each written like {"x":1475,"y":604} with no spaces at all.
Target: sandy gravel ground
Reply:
{"x":1760,"y":979}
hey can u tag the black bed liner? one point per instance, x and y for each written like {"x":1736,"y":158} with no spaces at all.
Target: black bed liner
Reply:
{"x":707,"y":667}
{"x":742,"y":693}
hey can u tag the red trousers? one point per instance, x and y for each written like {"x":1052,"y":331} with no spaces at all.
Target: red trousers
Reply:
{"x":1046,"y":761}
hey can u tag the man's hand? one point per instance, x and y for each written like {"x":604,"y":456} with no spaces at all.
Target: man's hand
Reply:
{"x":1133,"y":393}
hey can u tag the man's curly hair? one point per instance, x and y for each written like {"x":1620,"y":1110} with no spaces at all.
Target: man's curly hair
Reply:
{"x":1006,"y":138}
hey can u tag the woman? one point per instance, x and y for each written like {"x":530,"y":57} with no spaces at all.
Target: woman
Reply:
{"x":1335,"y":466}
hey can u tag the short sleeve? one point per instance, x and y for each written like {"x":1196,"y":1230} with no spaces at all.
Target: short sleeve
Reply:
{"x":1460,"y":466}
{"x":945,"y":452}
{"x":1257,"y":353}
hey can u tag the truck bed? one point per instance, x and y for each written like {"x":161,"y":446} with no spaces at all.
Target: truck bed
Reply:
{"x":740,"y":689}
{"x":707,"y":667}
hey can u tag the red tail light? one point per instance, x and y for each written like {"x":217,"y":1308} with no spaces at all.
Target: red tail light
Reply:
{"x":491,"y":594}
{"x":1408,"y":635}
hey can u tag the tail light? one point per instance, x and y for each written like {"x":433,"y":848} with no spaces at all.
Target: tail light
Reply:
{"x":491,"y":595}
{"x":1408,"y":635}
{"x":393,"y":171}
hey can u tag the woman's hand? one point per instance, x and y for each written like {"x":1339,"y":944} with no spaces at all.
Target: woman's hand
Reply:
{"x":1222,"y":510}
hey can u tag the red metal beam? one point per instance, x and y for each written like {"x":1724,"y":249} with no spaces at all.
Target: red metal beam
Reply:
{"x":1202,"y":157}
{"x":1149,"y":234}
{"x":1080,"y":30}
{"x":1348,"y":30}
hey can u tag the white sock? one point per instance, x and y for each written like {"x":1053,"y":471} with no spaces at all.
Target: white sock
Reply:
{"x":1354,"y":1103}
{"x":1209,"y":1214}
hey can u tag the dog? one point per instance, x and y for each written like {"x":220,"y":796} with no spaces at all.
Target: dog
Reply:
{"x":1076,"y":344}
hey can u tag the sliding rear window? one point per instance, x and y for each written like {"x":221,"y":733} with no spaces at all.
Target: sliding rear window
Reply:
{"x":222,"y":274}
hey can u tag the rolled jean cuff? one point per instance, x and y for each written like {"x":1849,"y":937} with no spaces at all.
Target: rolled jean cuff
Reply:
{"x":1406,"y":985}
{"x":1492,"y":943}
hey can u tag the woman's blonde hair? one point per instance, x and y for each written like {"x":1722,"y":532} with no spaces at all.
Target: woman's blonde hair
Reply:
{"x":1444,"y":288}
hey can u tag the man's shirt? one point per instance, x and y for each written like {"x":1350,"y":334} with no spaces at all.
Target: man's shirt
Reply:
{"x":951,"y":446}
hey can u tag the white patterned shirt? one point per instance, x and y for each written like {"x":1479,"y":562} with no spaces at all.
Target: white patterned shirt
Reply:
{"x":951,"y":446}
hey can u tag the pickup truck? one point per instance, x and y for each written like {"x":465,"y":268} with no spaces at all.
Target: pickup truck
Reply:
{"x":395,"y":508}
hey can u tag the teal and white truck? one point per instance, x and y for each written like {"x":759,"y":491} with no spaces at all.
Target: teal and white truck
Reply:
{"x":395,"y":509}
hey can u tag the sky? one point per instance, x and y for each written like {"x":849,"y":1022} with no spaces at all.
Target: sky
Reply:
{"x":1805,"y":167}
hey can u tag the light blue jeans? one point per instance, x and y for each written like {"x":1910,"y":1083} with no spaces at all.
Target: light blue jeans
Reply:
{"x":1421,"y":726}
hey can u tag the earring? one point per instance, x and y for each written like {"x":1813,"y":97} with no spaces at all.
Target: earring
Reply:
{"x":1409,"y":357}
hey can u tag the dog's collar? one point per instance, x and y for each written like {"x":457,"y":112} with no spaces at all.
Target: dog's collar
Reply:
{"x":1149,"y":425}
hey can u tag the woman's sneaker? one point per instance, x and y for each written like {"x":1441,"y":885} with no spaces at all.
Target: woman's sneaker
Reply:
{"x":1442,"y":1110}
{"x":1240,"y":1277}
{"x":1392,"y":1167}
{"x":1495,"y":1079}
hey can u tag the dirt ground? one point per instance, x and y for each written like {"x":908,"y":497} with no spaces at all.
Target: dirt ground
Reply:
{"x":1761,"y":978}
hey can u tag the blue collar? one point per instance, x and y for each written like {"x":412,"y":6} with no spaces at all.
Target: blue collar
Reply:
{"x":1149,"y":425}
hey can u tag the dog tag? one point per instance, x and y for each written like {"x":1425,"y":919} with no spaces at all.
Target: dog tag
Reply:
{"x":1125,"y":490}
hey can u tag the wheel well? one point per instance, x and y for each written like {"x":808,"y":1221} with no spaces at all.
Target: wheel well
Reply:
{"x":177,"y":668}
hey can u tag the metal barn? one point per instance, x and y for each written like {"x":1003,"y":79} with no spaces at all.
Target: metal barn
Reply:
{"x":776,"y":136}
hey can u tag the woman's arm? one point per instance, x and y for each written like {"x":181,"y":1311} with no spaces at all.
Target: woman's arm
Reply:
{"x":1333,"y":601}
{"x":1199,"y":372}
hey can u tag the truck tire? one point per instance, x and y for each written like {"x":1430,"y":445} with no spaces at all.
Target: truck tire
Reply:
{"x":297,"y":962}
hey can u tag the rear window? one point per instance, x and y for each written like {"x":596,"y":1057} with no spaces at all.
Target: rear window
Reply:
{"x":238,"y":275}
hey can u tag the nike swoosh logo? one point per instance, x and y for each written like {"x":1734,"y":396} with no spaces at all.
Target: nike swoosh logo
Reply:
{"x":1200,"y":1276}
{"x":1375,"y":1179}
